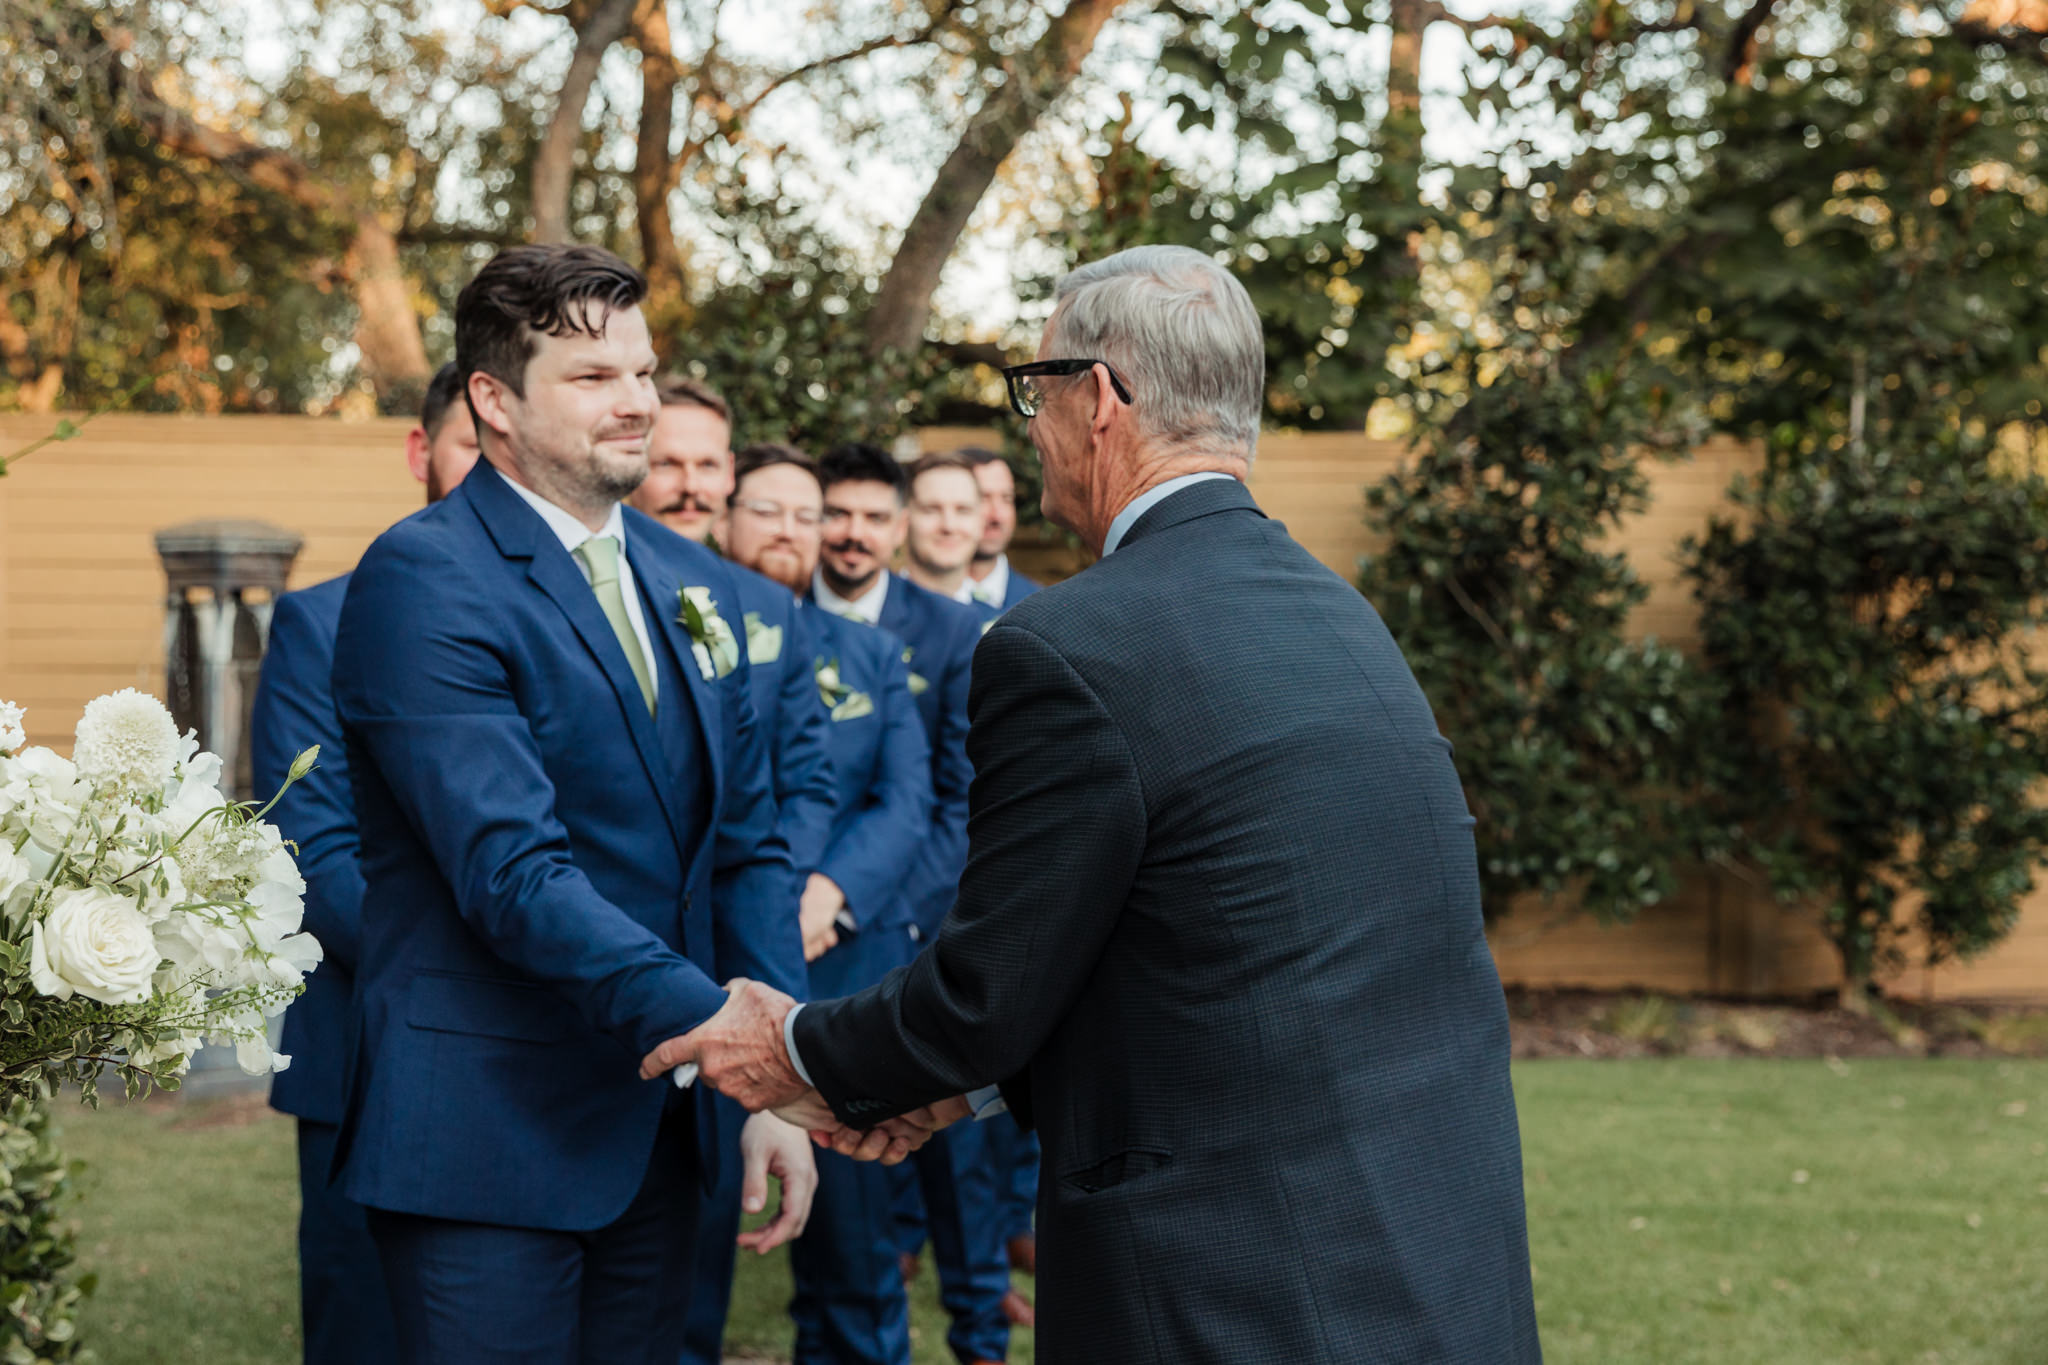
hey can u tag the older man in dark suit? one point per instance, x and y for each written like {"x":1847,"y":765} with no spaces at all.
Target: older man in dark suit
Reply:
{"x":1219,"y":934}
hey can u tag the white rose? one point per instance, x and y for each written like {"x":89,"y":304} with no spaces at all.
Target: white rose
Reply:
{"x":96,"y":943}
{"x":15,"y":871}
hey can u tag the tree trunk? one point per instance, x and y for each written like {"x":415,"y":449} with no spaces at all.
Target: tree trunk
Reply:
{"x":388,"y":329}
{"x":659,"y":77}
{"x":554,"y":163}
{"x":1041,"y":76}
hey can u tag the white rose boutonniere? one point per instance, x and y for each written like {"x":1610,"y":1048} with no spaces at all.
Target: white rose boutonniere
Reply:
{"x":917,"y":679}
{"x":764,"y":642}
{"x":717,"y":649}
{"x":841,"y":701}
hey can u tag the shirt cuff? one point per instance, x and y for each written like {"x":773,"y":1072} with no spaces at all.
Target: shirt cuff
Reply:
{"x":789,"y":1044}
{"x":987,"y":1102}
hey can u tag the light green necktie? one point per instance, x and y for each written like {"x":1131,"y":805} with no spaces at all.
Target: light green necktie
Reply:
{"x":600,"y":556}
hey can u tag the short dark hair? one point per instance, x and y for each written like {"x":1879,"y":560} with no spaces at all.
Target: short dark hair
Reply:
{"x":443,"y":389}
{"x":683,"y":391}
{"x":766,"y":455}
{"x":977,"y":456}
{"x":862,"y":462}
{"x":523,"y":291}
{"x":936,"y":460}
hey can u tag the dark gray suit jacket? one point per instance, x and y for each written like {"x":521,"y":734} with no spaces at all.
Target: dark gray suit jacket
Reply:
{"x":1219,"y":937}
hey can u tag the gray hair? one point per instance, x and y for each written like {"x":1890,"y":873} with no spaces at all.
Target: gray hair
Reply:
{"x":1182,"y":333}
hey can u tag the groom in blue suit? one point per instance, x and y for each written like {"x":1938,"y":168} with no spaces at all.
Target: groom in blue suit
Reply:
{"x":567,"y":841}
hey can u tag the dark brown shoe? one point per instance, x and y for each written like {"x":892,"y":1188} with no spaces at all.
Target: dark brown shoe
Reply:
{"x":1018,"y":1310}
{"x":1024,"y":1253}
{"x":910,"y":1265}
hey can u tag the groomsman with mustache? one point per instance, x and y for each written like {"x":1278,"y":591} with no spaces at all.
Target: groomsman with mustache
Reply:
{"x":866,"y":495}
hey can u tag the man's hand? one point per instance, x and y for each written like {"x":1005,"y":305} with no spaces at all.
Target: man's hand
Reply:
{"x":739,"y":1050}
{"x":894,"y":1139}
{"x":768,"y":1146}
{"x":818,"y":914}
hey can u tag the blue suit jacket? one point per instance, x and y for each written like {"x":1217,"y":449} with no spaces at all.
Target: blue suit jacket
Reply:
{"x":295,"y":709}
{"x":539,"y":857}
{"x":1016,"y":590}
{"x":785,"y":696}
{"x":938,"y":637}
{"x":881,"y":763}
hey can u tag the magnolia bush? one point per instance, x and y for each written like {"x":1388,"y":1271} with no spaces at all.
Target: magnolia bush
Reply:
{"x":145,"y":914}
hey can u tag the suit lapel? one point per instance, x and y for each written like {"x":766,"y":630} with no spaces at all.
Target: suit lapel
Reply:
{"x":660,"y":591}
{"x":551,"y":569}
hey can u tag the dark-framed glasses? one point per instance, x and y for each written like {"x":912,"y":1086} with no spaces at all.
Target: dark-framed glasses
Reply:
{"x":1027,"y":396}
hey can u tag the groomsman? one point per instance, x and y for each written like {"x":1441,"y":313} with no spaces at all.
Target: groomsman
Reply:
{"x":866,"y":492}
{"x":990,"y":577}
{"x":568,"y":840}
{"x":850,"y":1307}
{"x":943,"y":526}
{"x":689,"y":459}
{"x":996,"y":587}
{"x":343,"y":1310}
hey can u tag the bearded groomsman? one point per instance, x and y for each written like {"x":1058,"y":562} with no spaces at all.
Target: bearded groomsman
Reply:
{"x":689,"y":459}
{"x":866,"y":492}
{"x":343,"y":1311}
{"x":850,"y":1307}
{"x":568,"y":840}
{"x":991,"y":578}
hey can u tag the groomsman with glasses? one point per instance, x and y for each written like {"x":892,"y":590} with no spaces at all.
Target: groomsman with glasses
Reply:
{"x":343,"y":1310}
{"x":850,"y":1307}
{"x":866,"y":496}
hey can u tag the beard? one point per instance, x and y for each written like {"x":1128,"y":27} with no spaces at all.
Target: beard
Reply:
{"x":785,"y":566}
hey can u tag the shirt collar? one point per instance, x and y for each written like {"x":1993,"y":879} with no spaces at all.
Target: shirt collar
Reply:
{"x":1146,"y":501}
{"x":991,"y":590}
{"x":867,"y":607}
{"x":571,"y":532}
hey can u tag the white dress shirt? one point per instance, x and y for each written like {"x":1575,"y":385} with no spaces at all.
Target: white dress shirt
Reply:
{"x":572,"y":533}
{"x":1146,"y":501}
{"x":867,"y":607}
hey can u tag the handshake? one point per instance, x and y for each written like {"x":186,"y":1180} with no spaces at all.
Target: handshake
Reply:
{"x":740,"y":1053}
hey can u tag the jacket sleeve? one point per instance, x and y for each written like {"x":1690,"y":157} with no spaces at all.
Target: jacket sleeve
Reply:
{"x":935,"y":877}
{"x":294,"y":710}
{"x":426,"y":696}
{"x":1052,"y":772}
{"x":755,"y":884}
{"x":873,"y":845}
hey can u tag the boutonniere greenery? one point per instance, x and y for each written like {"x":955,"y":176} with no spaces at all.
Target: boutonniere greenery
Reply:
{"x":764,"y":642}
{"x":716,"y":648}
{"x":917,"y":681}
{"x":840,"y":700}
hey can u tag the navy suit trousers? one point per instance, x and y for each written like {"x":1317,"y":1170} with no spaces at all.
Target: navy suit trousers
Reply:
{"x":345,"y":1313}
{"x":479,"y":1294}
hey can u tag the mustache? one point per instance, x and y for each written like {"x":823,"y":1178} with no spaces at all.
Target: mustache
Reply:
{"x":849,"y":547}
{"x":690,"y":502}
{"x":625,"y":429}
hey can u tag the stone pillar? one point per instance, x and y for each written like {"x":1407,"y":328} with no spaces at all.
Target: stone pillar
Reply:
{"x":223,"y":577}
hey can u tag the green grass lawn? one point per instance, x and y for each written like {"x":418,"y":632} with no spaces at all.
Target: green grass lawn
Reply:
{"x":1732,"y":1212}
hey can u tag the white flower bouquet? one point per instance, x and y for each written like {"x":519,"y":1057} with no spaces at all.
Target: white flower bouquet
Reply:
{"x":142,"y":913}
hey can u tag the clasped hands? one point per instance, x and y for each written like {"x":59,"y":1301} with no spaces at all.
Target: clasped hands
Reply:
{"x":740,"y":1053}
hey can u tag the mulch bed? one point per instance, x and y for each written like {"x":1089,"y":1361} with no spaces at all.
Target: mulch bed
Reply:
{"x":1609,"y":1024}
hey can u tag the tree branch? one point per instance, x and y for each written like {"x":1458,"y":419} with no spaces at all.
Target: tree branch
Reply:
{"x":1742,"y":43}
{"x":555,"y":160}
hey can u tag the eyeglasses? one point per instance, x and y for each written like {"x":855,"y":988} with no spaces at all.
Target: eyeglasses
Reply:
{"x":775,"y":511}
{"x":1028,"y":397}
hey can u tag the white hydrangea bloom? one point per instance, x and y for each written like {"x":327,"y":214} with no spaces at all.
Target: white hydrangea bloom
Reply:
{"x":41,"y":794}
{"x":12,"y":736}
{"x":128,"y":740}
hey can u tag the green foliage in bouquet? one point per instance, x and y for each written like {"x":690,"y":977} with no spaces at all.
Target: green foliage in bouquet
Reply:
{"x":39,"y":1288}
